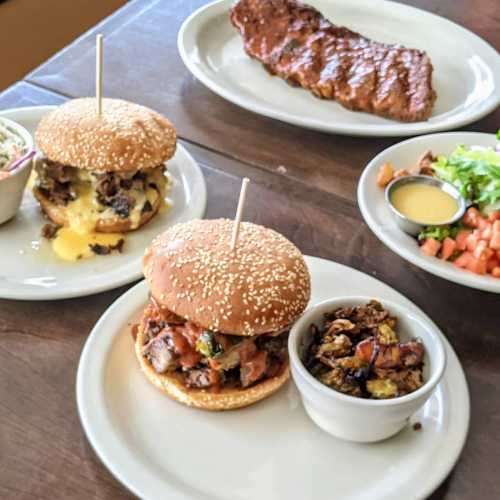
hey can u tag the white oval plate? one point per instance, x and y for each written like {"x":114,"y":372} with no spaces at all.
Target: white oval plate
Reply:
{"x":376,"y":213}
{"x":29,"y":270}
{"x":270,"y":451}
{"x":467,"y":84}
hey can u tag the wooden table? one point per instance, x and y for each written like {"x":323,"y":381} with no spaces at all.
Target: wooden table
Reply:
{"x":312,"y":200}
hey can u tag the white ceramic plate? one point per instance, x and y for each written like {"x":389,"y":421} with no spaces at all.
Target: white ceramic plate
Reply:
{"x":467,"y":84}
{"x":29,"y":270}
{"x":376,"y":213}
{"x":270,"y":451}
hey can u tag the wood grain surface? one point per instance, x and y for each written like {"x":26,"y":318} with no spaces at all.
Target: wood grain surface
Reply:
{"x":43,"y":451}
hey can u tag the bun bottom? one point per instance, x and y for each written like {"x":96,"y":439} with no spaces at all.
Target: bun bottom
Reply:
{"x":226,"y":399}
{"x":58,"y":215}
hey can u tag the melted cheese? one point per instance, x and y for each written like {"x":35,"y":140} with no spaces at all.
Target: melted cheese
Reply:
{"x":31,"y":180}
{"x":72,"y":245}
{"x":73,"y":242}
{"x":82,"y":213}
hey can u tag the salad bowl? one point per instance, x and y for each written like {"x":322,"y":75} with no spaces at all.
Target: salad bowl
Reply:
{"x":468,"y":160}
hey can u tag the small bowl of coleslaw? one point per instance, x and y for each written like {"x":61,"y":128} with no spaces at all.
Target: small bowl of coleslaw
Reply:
{"x":16,"y":160}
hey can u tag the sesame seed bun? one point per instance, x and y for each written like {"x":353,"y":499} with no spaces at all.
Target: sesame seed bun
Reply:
{"x":126,"y":137}
{"x":261,"y":287}
{"x":59,"y":216}
{"x":226,"y":399}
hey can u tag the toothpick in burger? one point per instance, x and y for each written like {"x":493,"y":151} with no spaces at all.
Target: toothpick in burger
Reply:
{"x":101,"y":175}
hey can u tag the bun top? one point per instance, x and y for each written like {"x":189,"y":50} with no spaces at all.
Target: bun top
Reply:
{"x":261,"y":287}
{"x":126,"y":136}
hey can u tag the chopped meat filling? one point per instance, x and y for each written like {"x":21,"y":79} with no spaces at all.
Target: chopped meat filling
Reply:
{"x":99,"y":249}
{"x":117,"y":191}
{"x":206,"y":359}
{"x":357,"y":352}
{"x":49,"y":231}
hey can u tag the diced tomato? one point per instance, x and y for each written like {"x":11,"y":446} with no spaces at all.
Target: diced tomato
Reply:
{"x":449,"y":246}
{"x":495,"y":241}
{"x":496,"y":272}
{"x":472,"y":241}
{"x":461,"y":239}
{"x":486,"y":231}
{"x":498,"y":254}
{"x":482,"y":223}
{"x":471,"y":217}
{"x":385,"y":174}
{"x":496,"y":227}
{"x":494,"y":216}
{"x":476,"y":266}
{"x":492,"y":263}
{"x":482,"y":252}
{"x":431,"y":247}
{"x":462,"y":260}
{"x":402,"y":172}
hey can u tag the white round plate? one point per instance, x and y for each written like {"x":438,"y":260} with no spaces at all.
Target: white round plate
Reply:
{"x":371,"y":201}
{"x":29,"y":270}
{"x":270,"y":451}
{"x":467,"y":84}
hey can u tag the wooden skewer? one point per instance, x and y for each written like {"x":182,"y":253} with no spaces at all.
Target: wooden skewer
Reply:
{"x":98,"y":74}
{"x":239,"y":212}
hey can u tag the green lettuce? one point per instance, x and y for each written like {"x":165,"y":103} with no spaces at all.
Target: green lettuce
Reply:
{"x":475,"y":172}
{"x":438,"y":232}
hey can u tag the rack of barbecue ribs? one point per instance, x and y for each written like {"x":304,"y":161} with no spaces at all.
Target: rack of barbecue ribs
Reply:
{"x":295,"y":42}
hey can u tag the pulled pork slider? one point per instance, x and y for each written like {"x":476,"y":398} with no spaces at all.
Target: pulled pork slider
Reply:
{"x":214,"y":333}
{"x":107,"y":170}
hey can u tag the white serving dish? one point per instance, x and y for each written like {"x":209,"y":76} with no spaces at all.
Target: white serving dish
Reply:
{"x":12,"y":187}
{"x":373,"y":206}
{"x":357,"y":419}
{"x":466,"y":69}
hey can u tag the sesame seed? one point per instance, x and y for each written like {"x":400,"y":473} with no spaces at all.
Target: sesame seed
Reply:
{"x":261,"y":287}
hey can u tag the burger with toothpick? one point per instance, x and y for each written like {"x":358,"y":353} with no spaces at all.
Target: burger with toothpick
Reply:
{"x":214,"y":333}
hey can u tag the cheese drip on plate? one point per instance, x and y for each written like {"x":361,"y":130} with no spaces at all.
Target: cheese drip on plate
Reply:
{"x":74,"y":241}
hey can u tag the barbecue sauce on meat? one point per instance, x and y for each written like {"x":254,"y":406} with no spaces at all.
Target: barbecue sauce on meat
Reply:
{"x":294,"y":41}
{"x":171,"y":346}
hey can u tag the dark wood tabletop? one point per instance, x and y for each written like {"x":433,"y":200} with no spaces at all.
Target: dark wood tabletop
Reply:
{"x":312,"y":200}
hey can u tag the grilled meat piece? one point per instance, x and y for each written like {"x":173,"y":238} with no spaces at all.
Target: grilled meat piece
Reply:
{"x":54,"y":181}
{"x":254,"y":369}
{"x":160,"y":354}
{"x":49,"y":231}
{"x":232,"y":358}
{"x":122,"y":205}
{"x":174,"y":344}
{"x":57,"y":193}
{"x":367,"y":318}
{"x":99,"y":249}
{"x":59,"y":172}
{"x":295,"y":42}
{"x":395,"y":355}
{"x":199,"y":378}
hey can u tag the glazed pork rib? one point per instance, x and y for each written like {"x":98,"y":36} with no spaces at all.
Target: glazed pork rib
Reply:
{"x":295,"y":42}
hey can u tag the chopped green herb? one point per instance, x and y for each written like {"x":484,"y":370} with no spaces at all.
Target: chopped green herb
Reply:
{"x":439,"y":232}
{"x":208,"y":346}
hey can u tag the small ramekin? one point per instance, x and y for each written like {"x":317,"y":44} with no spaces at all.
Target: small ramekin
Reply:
{"x":12,"y":186}
{"x":413,"y":227}
{"x":357,"y":419}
